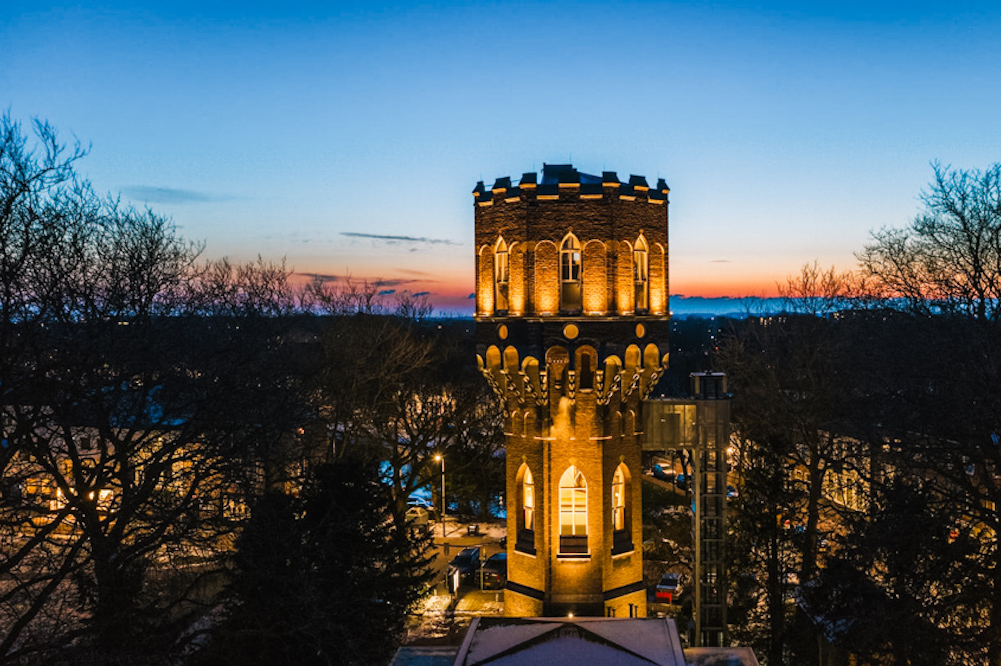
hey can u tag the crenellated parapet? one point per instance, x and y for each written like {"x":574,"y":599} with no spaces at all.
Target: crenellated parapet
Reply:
{"x":567,"y":184}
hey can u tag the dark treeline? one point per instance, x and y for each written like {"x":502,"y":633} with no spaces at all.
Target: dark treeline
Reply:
{"x":867,"y":419}
{"x":192,"y":450}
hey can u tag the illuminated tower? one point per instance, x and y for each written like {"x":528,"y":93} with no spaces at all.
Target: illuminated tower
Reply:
{"x":572,"y":325}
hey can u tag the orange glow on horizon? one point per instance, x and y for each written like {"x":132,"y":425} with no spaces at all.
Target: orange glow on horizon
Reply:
{"x":448,"y":287}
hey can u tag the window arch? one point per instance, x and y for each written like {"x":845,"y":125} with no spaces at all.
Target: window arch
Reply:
{"x":528,"y":500}
{"x":618,"y":500}
{"x":502,"y":273}
{"x":525,"y":536}
{"x":641,"y":274}
{"x":622,"y":541}
{"x":573,"y":512}
{"x":570,"y":274}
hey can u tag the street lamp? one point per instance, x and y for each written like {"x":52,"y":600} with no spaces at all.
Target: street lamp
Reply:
{"x":440,"y":458}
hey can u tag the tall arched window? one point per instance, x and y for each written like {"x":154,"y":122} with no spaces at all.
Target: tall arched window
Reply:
{"x":570,"y":291}
{"x":525,"y":537}
{"x":528,"y":500}
{"x":573,"y":512}
{"x":641,"y":274}
{"x":502,"y":272}
{"x":622,"y":539}
{"x":618,"y":500}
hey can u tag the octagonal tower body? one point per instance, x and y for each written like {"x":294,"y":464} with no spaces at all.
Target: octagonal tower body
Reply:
{"x":572,"y":324}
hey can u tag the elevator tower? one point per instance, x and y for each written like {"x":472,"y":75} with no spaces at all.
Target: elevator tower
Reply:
{"x":572,"y":325}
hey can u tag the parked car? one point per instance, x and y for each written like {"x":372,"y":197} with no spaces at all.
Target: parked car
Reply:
{"x":667,"y":589}
{"x":466,"y":564}
{"x":418,"y":519}
{"x":495,"y":572}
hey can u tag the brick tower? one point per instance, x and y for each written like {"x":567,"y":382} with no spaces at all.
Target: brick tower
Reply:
{"x":572,"y":324}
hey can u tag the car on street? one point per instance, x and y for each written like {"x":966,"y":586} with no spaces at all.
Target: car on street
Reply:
{"x":668,"y":588}
{"x":495,"y":572}
{"x":464,"y":566}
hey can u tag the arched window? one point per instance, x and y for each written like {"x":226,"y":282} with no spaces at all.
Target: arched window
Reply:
{"x":573,"y":512}
{"x":622,"y":538}
{"x":501,"y":276}
{"x":528,"y":500}
{"x":570,"y":292}
{"x":618,"y":500}
{"x":641,"y":274}
{"x":525,"y":537}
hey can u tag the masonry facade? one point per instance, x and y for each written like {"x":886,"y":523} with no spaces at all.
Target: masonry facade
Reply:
{"x":572,"y":323}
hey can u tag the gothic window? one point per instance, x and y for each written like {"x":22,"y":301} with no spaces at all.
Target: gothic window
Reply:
{"x":528,"y":500}
{"x":573,"y":512}
{"x":525,"y":537}
{"x":641,"y":274}
{"x":570,"y":265}
{"x":618,"y":500}
{"x":622,"y":539}
{"x":501,"y":275}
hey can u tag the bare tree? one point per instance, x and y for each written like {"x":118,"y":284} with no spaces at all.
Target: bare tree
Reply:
{"x":949,"y":259}
{"x":126,"y":369}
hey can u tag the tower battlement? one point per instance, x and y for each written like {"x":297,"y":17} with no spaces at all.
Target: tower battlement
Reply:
{"x":562,"y":182}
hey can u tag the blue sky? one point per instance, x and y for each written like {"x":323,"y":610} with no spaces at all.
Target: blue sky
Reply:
{"x":347,"y":137}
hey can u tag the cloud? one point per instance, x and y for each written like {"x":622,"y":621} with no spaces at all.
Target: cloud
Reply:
{"x":422,"y":293}
{"x":392,"y":283}
{"x":472,"y":296}
{"x":323,"y":277}
{"x":381,"y":283}
{"x":399,"y":239}
{"x":169,"y":195}
{"x":719,"y":261}
{"x":387,"y":292}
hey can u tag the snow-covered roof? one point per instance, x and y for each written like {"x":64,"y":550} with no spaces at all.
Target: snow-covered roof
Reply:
{"x":555,"y":641}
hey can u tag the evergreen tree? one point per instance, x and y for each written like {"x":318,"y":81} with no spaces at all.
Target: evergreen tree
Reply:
{"x":323,"y":578}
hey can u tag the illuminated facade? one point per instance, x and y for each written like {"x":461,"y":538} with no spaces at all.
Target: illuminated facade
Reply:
{"x":572,"y":325}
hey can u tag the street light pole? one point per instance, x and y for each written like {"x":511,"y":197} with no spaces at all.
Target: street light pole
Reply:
{"x":440,"y":458}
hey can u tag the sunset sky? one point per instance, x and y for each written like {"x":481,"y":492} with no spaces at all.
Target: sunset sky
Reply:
{"x":347,"y":137}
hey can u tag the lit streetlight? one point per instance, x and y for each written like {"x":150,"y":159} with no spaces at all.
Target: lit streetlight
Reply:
{"x":440,"y":458}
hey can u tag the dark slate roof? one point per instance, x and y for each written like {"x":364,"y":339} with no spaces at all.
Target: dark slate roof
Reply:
{"x":504,"y":183}
{"x":559,"y":173}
